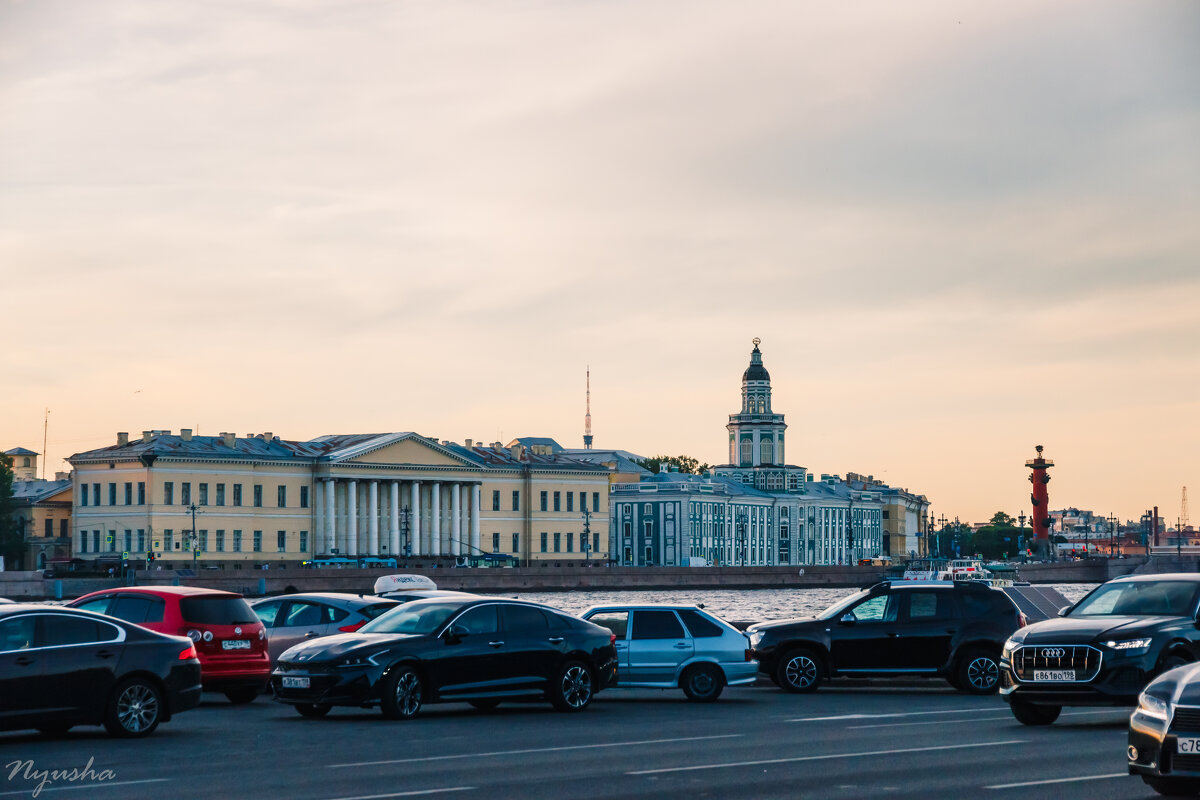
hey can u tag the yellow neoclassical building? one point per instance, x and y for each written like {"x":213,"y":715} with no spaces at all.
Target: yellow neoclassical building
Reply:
{"x":261,"y":499}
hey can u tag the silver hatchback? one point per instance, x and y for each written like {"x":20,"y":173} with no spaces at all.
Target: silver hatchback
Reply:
{"x":294,"y":618}
{"x":669,"y":647}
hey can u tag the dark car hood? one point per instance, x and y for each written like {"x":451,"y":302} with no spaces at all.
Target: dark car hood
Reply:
{"x":781,"y":623}
{"x":333,"y":648}
{"x":1088,"y":629}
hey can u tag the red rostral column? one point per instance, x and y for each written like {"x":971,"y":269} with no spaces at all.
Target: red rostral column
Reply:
{"x":1040,"y":499}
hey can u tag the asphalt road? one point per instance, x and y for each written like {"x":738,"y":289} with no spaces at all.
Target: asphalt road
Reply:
{"x":842,"y":742}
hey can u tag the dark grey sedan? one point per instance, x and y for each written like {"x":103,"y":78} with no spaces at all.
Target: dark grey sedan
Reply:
{"x":294,"y":618}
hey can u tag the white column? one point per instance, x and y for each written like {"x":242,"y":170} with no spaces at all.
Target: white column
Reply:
{"x":351,"y":518}
{"x":394,"y":520}
{"x":373,"y":518}
{"x":757,"y":448}
{"x":435,"y":519}
{"x":456,"y":526}
{"x":475,"y":490}
{"x":330,"y":519}
{"x":414,"y":523}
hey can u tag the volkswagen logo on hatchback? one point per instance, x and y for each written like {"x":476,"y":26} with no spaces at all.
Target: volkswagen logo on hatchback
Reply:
{"x":1053,"y":652}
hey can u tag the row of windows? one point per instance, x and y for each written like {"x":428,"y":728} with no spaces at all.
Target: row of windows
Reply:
{"x":184,"y":542}
{"x":185,"y":494}
{"x":64,"y":527}
{"x":558,"y":543}
{"x":570,"y":497}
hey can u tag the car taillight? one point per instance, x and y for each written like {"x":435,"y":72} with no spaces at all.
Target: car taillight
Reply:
{"x":749,"y":654}
{"x":188,"y":654}
{"x":352,"y":628}
{"x":612,"y":638}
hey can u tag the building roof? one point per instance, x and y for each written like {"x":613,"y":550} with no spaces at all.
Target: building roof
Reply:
{"x":30,"y":492}
{"x":530,"y":441}
{"x":756,"y":371}
{"x":199,"y":447}
{"x":20,"y":451}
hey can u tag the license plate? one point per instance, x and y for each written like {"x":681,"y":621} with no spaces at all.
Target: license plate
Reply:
{"x":1054,"y":674}
{"x":295,"y":683}
{"x":1187,"y":745}
{"x":235,"y":644}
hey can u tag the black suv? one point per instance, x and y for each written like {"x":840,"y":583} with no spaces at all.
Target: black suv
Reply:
{"x":1104,"y":649}
{"x":935,"y":628}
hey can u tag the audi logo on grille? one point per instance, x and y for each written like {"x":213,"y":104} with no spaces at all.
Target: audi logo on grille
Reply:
{"x":1053,"y":652}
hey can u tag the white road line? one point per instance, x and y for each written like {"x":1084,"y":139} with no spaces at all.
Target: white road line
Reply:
{"x":93,"y":785}
{"x":884,"y":716}
{"x":1060,"y":780}
{"x":533,"y":750}
{"x":824,"y":757}
{"x":414,"y":793}
{"x":969,"y":721}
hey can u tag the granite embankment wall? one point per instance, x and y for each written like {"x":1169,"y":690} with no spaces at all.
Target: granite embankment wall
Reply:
{"x":552,"y":577}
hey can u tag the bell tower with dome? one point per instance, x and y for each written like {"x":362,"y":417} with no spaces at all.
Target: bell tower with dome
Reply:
{"x":756,"y":432}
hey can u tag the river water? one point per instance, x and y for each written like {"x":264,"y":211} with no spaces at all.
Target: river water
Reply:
{"x":743,"y":605}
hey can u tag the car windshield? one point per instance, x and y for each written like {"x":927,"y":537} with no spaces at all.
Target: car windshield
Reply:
{"x":837,"y":608}
{"x":417,"y":617}
{"x":1139,"y":598}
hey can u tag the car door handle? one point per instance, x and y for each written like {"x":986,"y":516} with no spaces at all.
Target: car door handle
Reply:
{"x":23,"y":661}
{"x":621,"y":646}
{"x":682,"y":645}
{"x":555,"y":640}
{"x":311,"y":635}
{"x":496,"y":644}
{"x":893,"y":635}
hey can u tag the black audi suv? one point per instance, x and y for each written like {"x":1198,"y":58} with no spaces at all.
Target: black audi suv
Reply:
{"x":1103,"y":650}
{"x":468,"y":649}
{"x":952,"y":630}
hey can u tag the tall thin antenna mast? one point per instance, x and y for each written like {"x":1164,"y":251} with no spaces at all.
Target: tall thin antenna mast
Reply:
{"x":45,"y":438}
{"x":1183,"y":511}
{"x":587,"y":417}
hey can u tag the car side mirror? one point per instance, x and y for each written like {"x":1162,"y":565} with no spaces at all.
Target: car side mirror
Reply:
{"x":1062,"y":612}
{"x":848,"y":619}
{"x":454,"y":634}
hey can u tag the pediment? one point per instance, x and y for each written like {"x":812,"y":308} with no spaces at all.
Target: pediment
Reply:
{"x":411,"y":450}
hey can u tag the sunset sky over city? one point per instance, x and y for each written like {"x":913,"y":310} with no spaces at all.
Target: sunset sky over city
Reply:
{"x":960,"y":230}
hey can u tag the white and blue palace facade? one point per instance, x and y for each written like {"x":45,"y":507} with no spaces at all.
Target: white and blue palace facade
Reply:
{"x":757,"y":510}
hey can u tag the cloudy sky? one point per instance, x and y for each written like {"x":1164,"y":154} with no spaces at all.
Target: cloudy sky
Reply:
{"x":960,"y":229}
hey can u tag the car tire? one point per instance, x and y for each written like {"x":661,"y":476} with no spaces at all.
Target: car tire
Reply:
{"x":313,"y":710}
{"x":799,"y":671}
{"x":702,"y":683}
{"x":1173,"y":787}
{"x":485,"y":705}
{"x":134,"y":709}
{"x":572,"y":688}
{"x":401,"y":693}
{"x":1029,"y":714}
{"x":978,"y":672}
{"x":1172,"y":661}
{"x":242,"y":695}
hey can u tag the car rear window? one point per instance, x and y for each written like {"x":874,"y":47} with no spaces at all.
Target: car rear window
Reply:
{"x":698,"y":624}
{"x":371,"y":612}
{"x":216,"y":610}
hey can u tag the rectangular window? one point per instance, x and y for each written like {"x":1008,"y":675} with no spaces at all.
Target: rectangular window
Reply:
{"x":544,"y":495}
{"x":112,"y":541}
{"x":570,"y":501}
{"x":62,"y":527}
{"x":220,"y":541}
{"x":558,"y":501}
{"x":596,"y":502}
{"x":237,"y":541}
{"x":258,"y":495}
{"x":128,"y":541}
{"x":583,"y":501}
{"x":169,"y":493}
{"x":258,"y":541}
{"x":185,"y":493}
{"x":112,"y":494}
{"x":516,"y":543}
{"x":303,"y":498}
{"x":596,"y":543}
{"x":83,"y":539}
{"x":517,"y":500}
{"x":168,"y":544}
{"x":203,"y":541}
{"x":128,"y":493}
{"x":570,"y":542}
{"x":281,"y":541}
{"x":96,"y":493}
{"x":495,"y":543}
{"x":141,"y":539}
{"x":141,"y":493}
{"x":49,"y":528}
{"x":237,"y":494}
{"x":282,"y":497}
{"x":545,"y":539}
{"x":203,"y":494}
{"x":83,"y":493}
{"x":495,"y":500}
{"x":558,"y":542}
{"x":303,"y":541}
{"x":95,"y":541}
{"x":220,"y":494}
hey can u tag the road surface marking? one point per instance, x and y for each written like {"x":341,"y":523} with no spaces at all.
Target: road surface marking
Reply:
{"x":413,"y":793}
{"x":94,"y":786}
{"x":533,"y":750}
{"x":969,"y":721}
{"x":824,"y":758}
{"x":884,"y":716}
{"x":1060,"y":780}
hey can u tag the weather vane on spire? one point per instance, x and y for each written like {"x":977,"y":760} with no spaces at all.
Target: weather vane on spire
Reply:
{"x":756,"y":341}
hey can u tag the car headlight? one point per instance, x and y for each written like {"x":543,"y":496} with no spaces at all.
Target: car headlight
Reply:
{"x":1128,"y":646}
{"x":1151,"y":706}
{"x":1009,"y":646}
{"x":361,"y":661}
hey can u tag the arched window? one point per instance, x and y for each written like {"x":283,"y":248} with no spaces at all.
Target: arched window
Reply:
{"x":768,"y":451}
{"x":747,"y":452}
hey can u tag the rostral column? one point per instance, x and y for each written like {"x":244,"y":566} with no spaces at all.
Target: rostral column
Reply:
{"x":1040,"y":498}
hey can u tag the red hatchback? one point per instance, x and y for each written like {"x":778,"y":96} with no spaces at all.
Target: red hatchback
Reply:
{"x":230,"y":639}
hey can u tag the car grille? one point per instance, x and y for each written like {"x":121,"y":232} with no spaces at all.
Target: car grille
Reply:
{"x":1085,"y":660}
{"x":1186,"y":718}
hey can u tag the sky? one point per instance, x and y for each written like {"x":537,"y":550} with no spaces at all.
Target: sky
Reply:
{"x":960,"y":230}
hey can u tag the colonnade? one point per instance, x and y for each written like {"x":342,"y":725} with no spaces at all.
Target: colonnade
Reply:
{"x":357,"y":516}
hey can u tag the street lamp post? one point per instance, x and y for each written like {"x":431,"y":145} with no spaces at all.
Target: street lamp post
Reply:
{"x":195,"y":536}
{"x":587,"y":534}
{"x":405,"y":515}
{"x":1021,"y":535}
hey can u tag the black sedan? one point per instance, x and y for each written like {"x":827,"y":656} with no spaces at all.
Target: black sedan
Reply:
{"x":478,"y":650}
{"x":1164,"y":733}
{"x":60,"y":667}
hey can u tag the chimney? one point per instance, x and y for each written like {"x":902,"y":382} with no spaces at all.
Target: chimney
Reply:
{"x":516,"y":451}
{"x":467,"y":443}
{"x":497,"y":445}
{"x":122,"y":439}
{"x":268,"y":436}
{"x":229,"y":439}
{"x":185,"y":434}
{"x":147,"y":436}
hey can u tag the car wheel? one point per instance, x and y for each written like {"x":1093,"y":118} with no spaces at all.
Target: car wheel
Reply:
{"x":484,"y":705}
{"x":400,"y":695}
{"x":702,"y":683}
{"x":1172,"y":661}
{"x":799,"y":671}
{"x":134,"y":709}
{"x":978,"y":673}
{"x":242,"y":695}
{"x":1173,"y":787}
{"x":313,"y":710}
{"x":1028,"y":714}
{"x":572,"y":689}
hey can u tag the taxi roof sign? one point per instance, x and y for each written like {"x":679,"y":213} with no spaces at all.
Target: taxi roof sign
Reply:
{"x":402,"y":583}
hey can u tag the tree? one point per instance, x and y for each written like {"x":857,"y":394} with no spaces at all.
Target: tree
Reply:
{"x":685,"y":464}
{"x":11,"y":545}
{"x":1000,"y":519}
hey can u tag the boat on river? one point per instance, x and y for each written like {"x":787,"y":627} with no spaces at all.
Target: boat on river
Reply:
{"x":959,"y":569}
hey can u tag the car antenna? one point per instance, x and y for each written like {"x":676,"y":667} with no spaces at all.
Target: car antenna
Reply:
{"x":700,"y":605}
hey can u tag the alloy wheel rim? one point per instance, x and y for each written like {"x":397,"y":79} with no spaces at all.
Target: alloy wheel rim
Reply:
{"x":577,"y":686}
{"x":801,"y":672}
{"x":983,"y":673}
{"x":408,"y":694}
{"x":702,"y":682}
{"x":137,"y":708}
